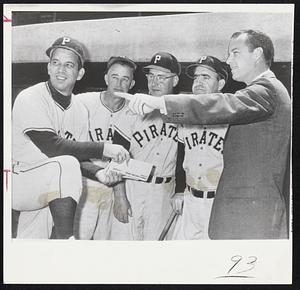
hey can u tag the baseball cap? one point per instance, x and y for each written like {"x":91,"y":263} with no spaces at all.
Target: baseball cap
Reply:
{"x":121,"y":59}
{"x":70,"y":44}
{"x":165,"y":62}
{"x":212,"y":63}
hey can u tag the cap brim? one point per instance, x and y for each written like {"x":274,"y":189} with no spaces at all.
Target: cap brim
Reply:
{"x":189,"y":69}
{"x":48,"y":51}
{"x":146,"y":68}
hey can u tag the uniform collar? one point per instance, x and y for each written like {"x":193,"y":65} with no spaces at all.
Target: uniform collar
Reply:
{"x":62,"y":100}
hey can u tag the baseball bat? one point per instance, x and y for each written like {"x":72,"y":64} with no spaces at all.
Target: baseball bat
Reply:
{"x":167,"y":226}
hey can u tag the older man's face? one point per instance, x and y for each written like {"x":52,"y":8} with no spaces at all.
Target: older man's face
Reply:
{"x":160,"y":83}
{"x":205,"y":81}
{"x":119,"y":78}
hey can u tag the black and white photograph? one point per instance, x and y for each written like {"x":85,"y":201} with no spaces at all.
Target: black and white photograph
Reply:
{"x":145,"y":138}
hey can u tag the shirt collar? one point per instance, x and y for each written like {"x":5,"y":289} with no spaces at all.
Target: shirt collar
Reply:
{"x":260,"y":75}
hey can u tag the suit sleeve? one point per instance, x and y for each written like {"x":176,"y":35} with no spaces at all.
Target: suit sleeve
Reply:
{"x":255,"y":103}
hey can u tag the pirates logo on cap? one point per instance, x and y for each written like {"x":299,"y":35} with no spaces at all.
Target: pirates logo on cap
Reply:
{"x":157,"y":58}
{"x":164,"y":61}
{"x":202,"y":58}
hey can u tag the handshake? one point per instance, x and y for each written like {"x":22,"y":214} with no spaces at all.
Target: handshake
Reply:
{"x":143,"y":104}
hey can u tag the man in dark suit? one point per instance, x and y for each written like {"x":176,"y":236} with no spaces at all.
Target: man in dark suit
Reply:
{"x":249,"y":202}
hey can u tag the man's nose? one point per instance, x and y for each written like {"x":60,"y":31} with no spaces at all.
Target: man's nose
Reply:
{"x":229,"y":59}
{"x":198,"y":79}
{"x":155,"y":80}
{"x":61,"y":68}
{"x":119,"y":82}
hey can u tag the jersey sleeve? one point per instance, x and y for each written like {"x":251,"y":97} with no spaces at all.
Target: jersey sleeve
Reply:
{"x":31,"y":111}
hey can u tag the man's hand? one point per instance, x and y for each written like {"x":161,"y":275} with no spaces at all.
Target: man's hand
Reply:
{"x":177,"y":202}
{"x":108,"y":177}
{"x":141,"y":103}
{"x":122,"y":209}
{"x":116,"y":152}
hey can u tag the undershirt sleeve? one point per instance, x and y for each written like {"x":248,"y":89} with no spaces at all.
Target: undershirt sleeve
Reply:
{"x":120,"y":140}
{"x":89,"y":169}
{"x":52,"y":145}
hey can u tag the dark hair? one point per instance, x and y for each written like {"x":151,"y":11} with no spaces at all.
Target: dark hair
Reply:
{"x":256,"y":39}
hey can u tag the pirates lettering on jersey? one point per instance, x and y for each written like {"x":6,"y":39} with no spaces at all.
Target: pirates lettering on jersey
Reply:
{"x":206,"y":138}
{"x":99,"y":135}
{"x":152,"y":132}
{"x":67,"y":135}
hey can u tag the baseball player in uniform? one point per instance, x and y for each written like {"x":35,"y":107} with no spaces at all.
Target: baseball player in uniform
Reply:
{"x":151,"y":140}
{"x":104,"y":110}
{"x":50,"y":130}
{"x":203,"y":155}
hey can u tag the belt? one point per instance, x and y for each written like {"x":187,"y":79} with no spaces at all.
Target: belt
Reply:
{"x":201,"y":194}
{"x":159,"y":180}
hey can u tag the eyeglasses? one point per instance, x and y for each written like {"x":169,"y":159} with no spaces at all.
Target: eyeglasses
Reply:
{"x":159,"y":78}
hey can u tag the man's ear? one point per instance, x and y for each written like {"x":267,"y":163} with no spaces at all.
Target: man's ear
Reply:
{"x":257,"y":53}
{"x":80,"y":74}
{"x":132,"y":84}
{"x":175,"y":81}
{"x":48,"y":68}
{"x":105,"y":78}
{"x":221,"y":84}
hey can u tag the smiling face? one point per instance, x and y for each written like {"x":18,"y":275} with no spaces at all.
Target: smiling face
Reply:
{"x":64,"y":71}
{"x":241,"y":60}
{"x":119,"y":78}
{"x":206,"y":81}
{"x":160,"y":82}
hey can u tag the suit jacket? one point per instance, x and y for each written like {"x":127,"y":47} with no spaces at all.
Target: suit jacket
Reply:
{"x":249,"y":202}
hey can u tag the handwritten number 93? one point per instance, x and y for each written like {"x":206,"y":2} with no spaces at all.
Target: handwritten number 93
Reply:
{"x":237,"y":260}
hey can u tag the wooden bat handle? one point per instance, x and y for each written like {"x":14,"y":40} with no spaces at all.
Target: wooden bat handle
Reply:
{"x":167,"y":226}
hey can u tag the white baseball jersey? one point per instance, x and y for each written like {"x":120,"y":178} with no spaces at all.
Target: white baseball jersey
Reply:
{"x":153,"y":141}
{"x":36,"y":177}
{"x":203,"y":164}
{"x":203,"y":154}
{"x":102,"y":120}
{"x":35,"y":109}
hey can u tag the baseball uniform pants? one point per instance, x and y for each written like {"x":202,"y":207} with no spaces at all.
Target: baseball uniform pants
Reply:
{"x":34,"y":186}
